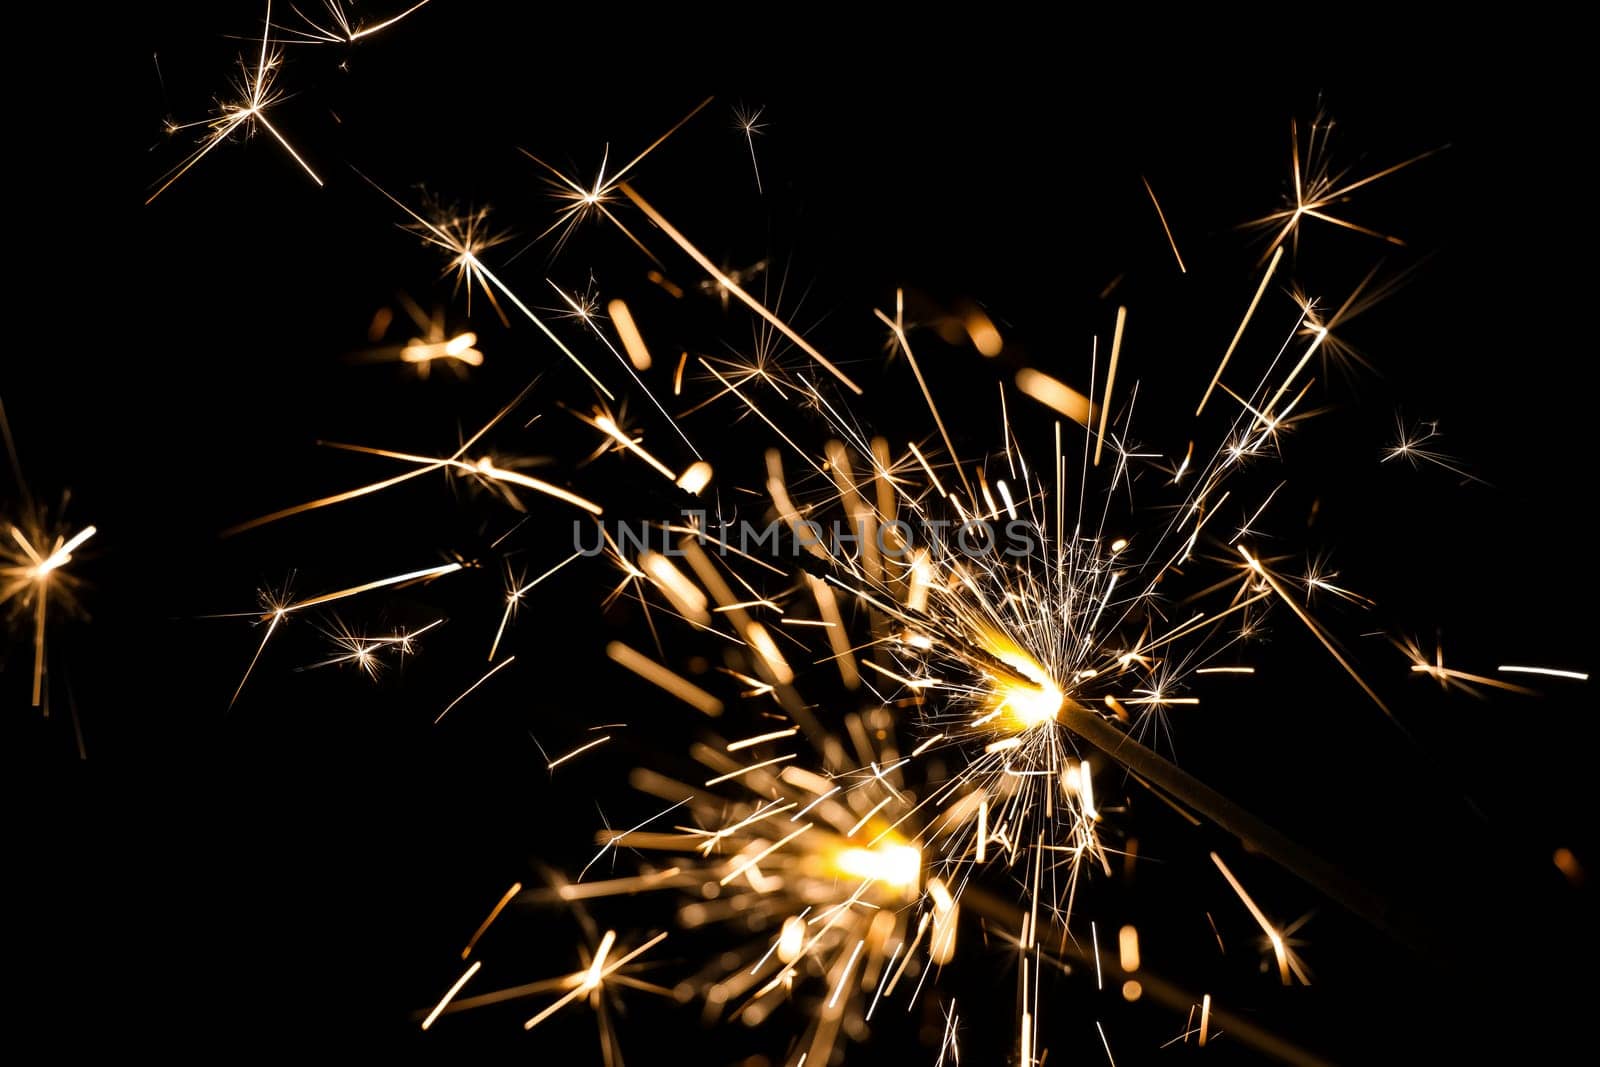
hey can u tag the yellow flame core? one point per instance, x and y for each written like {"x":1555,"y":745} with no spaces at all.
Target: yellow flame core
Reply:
{"x":895,"y":865}
{"x":1030,"y":699}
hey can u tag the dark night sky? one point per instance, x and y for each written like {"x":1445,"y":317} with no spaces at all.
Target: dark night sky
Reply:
{"x":308,"y":864}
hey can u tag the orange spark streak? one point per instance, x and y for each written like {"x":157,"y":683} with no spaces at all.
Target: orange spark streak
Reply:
{"x":728,"y":283}
{"x":494,"y":913}
{"x":657,"y":675}
{"x":1111,"y":379}
{"x":1249,"y":311}
{"x":1164,"y":227}
{"x":438,"y":1008}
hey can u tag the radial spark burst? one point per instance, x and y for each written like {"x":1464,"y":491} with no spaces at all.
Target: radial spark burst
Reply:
{"x":254,"y":93}
{"x":927,"y":669}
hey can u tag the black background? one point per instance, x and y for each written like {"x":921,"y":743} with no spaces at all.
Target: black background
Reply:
{"x":308,"y":864}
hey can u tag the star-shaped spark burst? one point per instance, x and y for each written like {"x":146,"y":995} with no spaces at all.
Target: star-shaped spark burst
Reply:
{"x":30,"y":573}
{"x":580,"y":202}
{"x":255,"y":92}
{"x":1320,"y":188}
{"x":748,"y":122}
{"x":33,"y":559}
{"x":365,"y":653}
{"x":1413,"y":444}
{"x":466,"y":236}
{"x":607,"y":970}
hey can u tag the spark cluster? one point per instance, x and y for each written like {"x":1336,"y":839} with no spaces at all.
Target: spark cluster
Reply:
{"x":913,"y":722}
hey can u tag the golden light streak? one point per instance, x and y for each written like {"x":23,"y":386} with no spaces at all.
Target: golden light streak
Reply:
{"x":833,"y":1001}
{"x":1226,"y":670}
{"x":683,"y":593}
{"x":1279,"y":949}
{"x":1550,"y":672}
{"x":946,"y":914}
{"x":438,"y":1009}
{"x":1445,"y":675}
{"x":1316,"y":630}
{"x":59,"y":556}
{"x":484,"y":467}
{"x":1277,"y":254}
{"x":745,"y":865}
{"x":1005,"y":495}
{"x":661,"y":677}
{"x":759,"y":640}
{"x":982,"y":855}
{"x":1085,"y":782}
{"x":742,"y":771}
{"x":838,"y":640}
{"x":608,"y":426}
{"x":336,"y":498}
{"x":1025,"y":1038}
{"x":1056,"y":395}
{"x":1175,"y":253}
{"x":759,"y":739}
{"x":932,"y":477}
{"x":494,"y":913}
{"x":381,"y":583}
{"x":591,"y":978}
{"x":580,"y":750}
{"x":272,"y":627}
{"x":492,"y":671}
{"x":619,"y":886}
{"x":514,"y":600}
{"x":632,"y":340}
{"x":1205,"y":1019}
{"x":728,"y":283}
{"x":1111,"y":380}
{"x":1320,"y":335}
{"x":897,"y":325}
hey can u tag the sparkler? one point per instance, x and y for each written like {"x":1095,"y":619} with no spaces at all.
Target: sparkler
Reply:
{"x":992,"y":678}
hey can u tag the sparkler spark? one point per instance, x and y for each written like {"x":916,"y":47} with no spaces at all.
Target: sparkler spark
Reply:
{"x":34,"y":556}
{"x":256,"y":93}
{"x":29,"y":577}
{"x":909,"y":717}
{"x":340,"y":29}
{"x":1319,"y":187}
{"x":748,"y":122}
